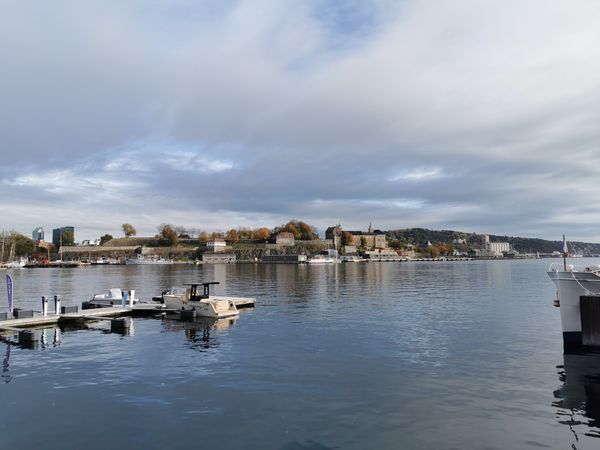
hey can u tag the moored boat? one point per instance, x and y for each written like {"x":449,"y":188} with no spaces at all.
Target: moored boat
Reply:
{"x":142,"y":260}
{"x":112,"y":297}
{"x":17,"y":264}
{"x":190,"y":298}
{"x":572,"y":283}
{"x":319,"y":259}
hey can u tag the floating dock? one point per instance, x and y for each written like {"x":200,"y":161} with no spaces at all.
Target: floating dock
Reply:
{"x":11,"y":326}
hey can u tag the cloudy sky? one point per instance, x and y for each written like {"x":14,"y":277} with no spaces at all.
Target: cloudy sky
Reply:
{"x":471,"y":115}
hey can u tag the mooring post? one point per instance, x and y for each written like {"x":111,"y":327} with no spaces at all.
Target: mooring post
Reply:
{"x":120,"y":325}
{"x":44,"y":306}
{"x":57,"y":304}
{"x":131,"y":294}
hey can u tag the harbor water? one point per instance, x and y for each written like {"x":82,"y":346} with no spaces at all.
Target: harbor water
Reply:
{"x":431,"y":355}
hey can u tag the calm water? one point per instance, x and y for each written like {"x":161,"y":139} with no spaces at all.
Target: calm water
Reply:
{"x":383,"y":355}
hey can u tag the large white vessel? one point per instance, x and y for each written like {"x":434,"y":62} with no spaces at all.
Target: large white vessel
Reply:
{"x":571,"y":283}
{"x":142,"y":260}
{"x":190,"y":298}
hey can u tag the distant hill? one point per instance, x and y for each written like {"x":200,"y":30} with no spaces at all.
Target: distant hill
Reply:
{"x":420,"y":236}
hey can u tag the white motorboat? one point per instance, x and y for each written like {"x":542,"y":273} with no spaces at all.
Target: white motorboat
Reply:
{"x":571,"y":283}
{"x":113,"y":297}
{"x":329,"y":256}
{"x":320,"y":259}
{"x":190,"y":298}
{"x":142,"y":260}
{"x":17,"y":264}
{"x":326,"y":257}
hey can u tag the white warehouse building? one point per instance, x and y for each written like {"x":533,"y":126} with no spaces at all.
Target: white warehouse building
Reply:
{"x":498,"y":248}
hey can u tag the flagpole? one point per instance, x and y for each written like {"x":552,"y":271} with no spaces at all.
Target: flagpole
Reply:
{"x":565,"y":251}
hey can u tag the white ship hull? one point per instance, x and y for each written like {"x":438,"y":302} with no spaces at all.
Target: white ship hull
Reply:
{"x":571,"y":284}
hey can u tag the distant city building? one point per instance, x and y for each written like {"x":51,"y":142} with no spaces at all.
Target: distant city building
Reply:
{"x":37,"y":234}
{"x":498,"y":248}
{"x":58,"y":233}
{"x":43,"y":244}
{"x":369,"y":239}
{"x":494,"y":248}
{"x":285,"y":238}
{"x":216,"y":245}
{"x":350,"y":249}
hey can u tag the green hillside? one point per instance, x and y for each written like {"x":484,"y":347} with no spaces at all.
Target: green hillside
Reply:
{"x":420,"y":236}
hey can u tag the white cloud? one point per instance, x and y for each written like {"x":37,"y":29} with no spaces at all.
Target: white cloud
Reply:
{"x":72,"y":182}
{"x":418,"y":174}
{"x":149,"y":159}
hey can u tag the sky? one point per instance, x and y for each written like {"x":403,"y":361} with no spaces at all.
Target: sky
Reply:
{"x":477,"y":115}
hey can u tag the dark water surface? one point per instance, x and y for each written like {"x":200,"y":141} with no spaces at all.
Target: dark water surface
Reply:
{"x":446,"y":355}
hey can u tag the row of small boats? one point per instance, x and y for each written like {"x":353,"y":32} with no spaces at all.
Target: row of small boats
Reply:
{"x":138,"y":260}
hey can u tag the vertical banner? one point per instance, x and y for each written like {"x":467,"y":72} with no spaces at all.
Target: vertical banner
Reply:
{"x":9,"y":291}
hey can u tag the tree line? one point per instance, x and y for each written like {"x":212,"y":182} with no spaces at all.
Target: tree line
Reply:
{"x":170,"y":234}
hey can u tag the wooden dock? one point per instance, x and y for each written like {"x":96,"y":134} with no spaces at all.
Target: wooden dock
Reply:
{"x":11,"y":326}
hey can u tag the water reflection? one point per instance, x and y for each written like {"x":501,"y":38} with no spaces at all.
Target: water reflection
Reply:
{"x":198,"y":332}
{"x":45,"y":334}
{"x":6,"y":377}
{"x":578,"y":399}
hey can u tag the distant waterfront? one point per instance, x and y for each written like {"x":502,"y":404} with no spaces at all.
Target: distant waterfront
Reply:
{"x":293,"y":242}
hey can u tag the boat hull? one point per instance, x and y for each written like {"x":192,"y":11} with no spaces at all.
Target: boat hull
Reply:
{"x":571,"y":285}
{"x":216,"y":309}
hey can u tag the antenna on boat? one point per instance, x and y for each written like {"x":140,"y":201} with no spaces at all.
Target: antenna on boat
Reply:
{"x":565,"y":251}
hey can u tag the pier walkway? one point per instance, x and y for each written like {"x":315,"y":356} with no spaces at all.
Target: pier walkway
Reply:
{"x":11,"y":326}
